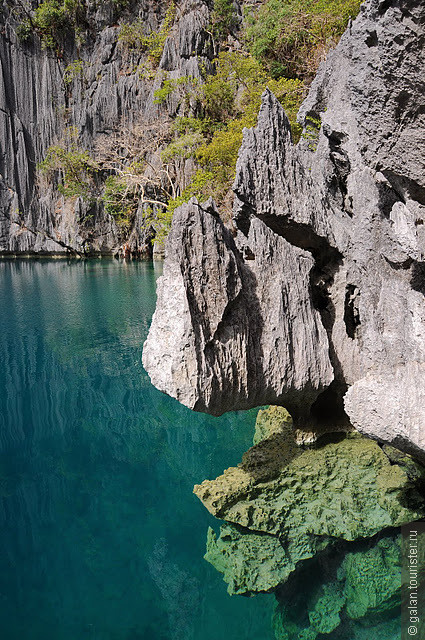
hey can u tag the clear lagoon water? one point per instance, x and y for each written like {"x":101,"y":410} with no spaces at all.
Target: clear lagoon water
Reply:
{"x":100,"y":535}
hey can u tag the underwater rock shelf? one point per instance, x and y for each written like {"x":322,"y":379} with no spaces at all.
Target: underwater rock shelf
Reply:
{"x":325,"y":514}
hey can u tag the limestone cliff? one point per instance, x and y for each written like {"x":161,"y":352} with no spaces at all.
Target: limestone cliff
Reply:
{"x":315,"y":300}
{"x":38,"y":104}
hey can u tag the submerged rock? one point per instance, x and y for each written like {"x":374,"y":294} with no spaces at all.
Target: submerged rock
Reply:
{"x":285,"y":504}
{"x":250,"y":563}
{"x":253,"y":562}
{"x":346,"y":489}
{"x":359,"y":589}
{"x":317,"y":303}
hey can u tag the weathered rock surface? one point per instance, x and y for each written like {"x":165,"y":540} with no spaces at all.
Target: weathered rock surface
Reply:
{"x":329,"y":252}
{"x":37,"y":106}
{"x":220,"y":336}
{"x":284,"y":504}
{"x":251,"y":563}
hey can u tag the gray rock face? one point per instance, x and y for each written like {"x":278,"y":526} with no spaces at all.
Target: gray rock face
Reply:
{"x":332,"y":234}
{"x":220,"y":338}
{"x":37,"y":106}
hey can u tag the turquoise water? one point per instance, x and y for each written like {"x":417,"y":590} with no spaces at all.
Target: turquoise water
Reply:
{"x":101,"y":537}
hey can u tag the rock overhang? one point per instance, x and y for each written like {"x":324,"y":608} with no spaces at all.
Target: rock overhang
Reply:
{"x":317,"y":301}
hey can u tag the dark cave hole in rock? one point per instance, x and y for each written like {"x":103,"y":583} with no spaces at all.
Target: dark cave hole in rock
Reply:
{"x":372,"y":39}
{"x":303,"y":236}
{"x":402,"y":102}
{"x":384,"y":6}
{"x":405,"y":188}
{"x":418,"y":277}
{"x":339,"y":158}
{"x":351,"y":310}
{"x":328,"y":408}
{"x":388,"y":196}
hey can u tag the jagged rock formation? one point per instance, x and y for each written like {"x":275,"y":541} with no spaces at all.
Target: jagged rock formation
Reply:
{"x":209,"y":344}
{"x":317,"y":303}
{"x":285,"y":504}
{"x":37,"y":105}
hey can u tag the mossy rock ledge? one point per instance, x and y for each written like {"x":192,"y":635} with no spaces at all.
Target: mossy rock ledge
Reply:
{"x":285,"y":504}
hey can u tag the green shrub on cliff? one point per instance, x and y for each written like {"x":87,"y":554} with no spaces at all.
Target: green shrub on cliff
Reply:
{"x":132,"y":36}
{"x":224,"y":19}
{"x":200,"y":187}
{"x":286,"y":40}
{"x":73,"y":71}
{"x":291,"y":37}
{"x":228,"y":101}
{"x":74,"y":167}
{"x":51,"y":20}
{"x":120,"y":201}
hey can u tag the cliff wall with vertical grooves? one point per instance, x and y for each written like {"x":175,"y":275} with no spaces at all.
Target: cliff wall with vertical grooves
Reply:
{"x":38,"y":106}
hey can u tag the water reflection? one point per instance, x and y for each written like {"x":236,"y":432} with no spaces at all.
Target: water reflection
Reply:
{"x":101,"y":535}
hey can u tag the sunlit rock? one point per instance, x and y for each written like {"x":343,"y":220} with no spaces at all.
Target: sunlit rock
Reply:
{"x":328,"y":254}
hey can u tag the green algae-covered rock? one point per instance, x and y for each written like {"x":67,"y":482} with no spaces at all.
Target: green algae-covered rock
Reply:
{"x":363,"y":588}
{"x":345,"y":489}
{"x":272,"y":421}
{"x":289,"y":503}
{"x":253,"y":562}
{"x":324,"y":616}
{"x":250,"y":563}
{"x":372,"y":578}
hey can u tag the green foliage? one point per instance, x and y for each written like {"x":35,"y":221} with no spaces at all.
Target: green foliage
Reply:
{"x":25,"y":31}
{"x":185,"y":85}
{"x":76,"y":167}
{"x":220,"y":154}
{"x":291,"y":36}
{"x":311,"y":132}
{"x":230,"y":101}
{"x":163,"y":218}
{"x":184,"y":124}
{"x":218,"y":96}
{"x":120,"y":201}
{"x":155,"y":41}
{"x":224,"y":18}
{"x":132,"y":36}
{"x":235,"y":91}
{"x":183,"y":146}
{"x":120,"y":5}
{"x":52,"y":18}
{"x":73,"y":71}
{"x":166,"y":89}
{"x":200,"y":187}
